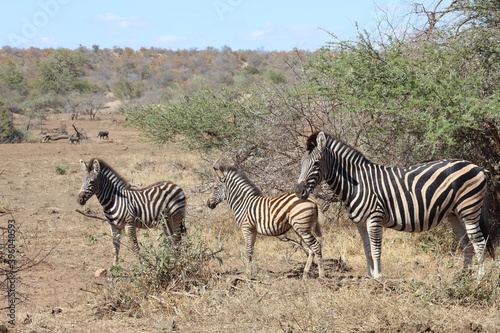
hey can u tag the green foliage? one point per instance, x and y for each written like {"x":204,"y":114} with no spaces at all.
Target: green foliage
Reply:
{"x":39,"y":103}
{"x":202,"y":120}
{"x":165,"y":266}
{"x":8,"y":133}
{"x":62,"y":72}
{"x":463,"y":288}
{"x":93,"y":239}
{"x":14,"y":78}
{"x":126,"y":90}
{"x":276,"y":76}
{"x":61,"y":170}
{"x":439,"y":240}
{"x":426,"y":90}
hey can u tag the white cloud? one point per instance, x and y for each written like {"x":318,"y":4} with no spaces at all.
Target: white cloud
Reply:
{"x":121,"y":22}
{"x":257,"y":34}
{"x":109,"y":17}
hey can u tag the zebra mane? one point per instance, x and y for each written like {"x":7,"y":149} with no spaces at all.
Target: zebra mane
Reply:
{"x":118,"y":180}
{"x":311,"y":144}
{"x":237,"y":173}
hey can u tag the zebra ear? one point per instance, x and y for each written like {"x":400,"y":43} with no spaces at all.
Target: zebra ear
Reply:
{"x":83,"y":165}
{"x":321,"y":140}
{"x":96,"y":166}
{"x":219,"y":174}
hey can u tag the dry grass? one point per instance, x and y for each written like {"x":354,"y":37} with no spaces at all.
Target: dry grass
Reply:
{"x":421,"y":291}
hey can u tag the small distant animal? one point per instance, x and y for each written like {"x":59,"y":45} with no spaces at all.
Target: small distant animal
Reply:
{"x":103,"y":134}
{"x":74,"y":139}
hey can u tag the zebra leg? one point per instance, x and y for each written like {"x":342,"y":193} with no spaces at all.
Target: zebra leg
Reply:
{"x":249,"y":236}
{"x":175,"y":225}
{"x":314,"y":249}
{"x":461,"y":235}
{"x":366,"y":246}
{"x":310,"y":258}
{"x":375,"y":230}
{"x":479,"y":243}
{"x":116,"y":241}
{"x":131,"y":232}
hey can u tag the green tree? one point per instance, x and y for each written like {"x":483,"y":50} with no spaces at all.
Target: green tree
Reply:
{"x":203,"y":119}
{"x":126,"y":90}
{"x":62,"y":72}
{"x":14,"y":78}
{"x":8,"y":133}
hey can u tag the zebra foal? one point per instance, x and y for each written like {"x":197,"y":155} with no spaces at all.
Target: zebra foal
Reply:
{"x":268,"y":216}
{"x":127,"y":209}
{"x":412,"y":199}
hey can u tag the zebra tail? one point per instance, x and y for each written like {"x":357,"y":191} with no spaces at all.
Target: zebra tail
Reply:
{"x":483,"y":224}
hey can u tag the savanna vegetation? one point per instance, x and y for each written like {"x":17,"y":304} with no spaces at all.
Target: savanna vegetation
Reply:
{"x":424,"y":88}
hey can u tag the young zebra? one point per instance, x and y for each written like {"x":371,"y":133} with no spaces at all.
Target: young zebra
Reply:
{"x":127,"y":208}
{"x":268,"y":216}
{"x":411,"y":199}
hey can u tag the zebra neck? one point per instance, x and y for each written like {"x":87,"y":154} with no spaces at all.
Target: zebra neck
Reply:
{"x":111,"y":187}
{"x":345,"y":168}
{"x":236,"y":199}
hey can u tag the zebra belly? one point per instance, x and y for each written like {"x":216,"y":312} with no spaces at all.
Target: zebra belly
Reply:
{"x":272,"y":229}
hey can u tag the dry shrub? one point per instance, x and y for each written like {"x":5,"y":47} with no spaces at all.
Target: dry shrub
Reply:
{"x":164,"y":267}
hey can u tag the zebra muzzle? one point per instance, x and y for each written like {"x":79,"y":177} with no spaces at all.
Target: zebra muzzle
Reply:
{"x":301,"y":191}
{"x":81,"y":198}
{"x":211,"y":205}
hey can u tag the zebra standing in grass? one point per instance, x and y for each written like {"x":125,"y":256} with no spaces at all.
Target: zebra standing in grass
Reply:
{"x":411,"y":199}
{"x":127,"y":208}
{"x":268,"y":216}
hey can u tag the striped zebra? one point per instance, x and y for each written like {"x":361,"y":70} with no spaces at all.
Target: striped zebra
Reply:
{"x":127,"y":209}
{"x":412,"y":199}
{"x":268,"y":216}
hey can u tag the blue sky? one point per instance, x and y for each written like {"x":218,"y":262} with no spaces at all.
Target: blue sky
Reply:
{"x":239,"y":24}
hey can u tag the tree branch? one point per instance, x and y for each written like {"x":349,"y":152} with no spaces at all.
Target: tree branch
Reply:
{"x":92,"y":216}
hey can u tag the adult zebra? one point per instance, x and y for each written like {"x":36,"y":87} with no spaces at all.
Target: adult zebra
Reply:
{"x":128,"y":209}
{"x":411,"y":199}
{"x":268,"y":216}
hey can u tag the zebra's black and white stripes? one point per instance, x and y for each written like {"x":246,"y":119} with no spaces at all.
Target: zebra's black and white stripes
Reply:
{"x":269,"y":216}
{"x":128,"y":209}
{"x":412,"y":199}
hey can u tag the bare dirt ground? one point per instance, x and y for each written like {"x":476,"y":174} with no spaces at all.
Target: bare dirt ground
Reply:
{"x":64,"y":295}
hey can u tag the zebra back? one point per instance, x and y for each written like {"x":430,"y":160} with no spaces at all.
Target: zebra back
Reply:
{"x":125,"y":205}
{"x":267,"y":215}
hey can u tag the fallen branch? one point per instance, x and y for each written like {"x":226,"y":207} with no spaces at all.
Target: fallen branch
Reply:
{"x":47,"y":138}
{"x":92,"y":216}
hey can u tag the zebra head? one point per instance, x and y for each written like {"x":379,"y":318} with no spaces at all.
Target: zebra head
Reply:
{"x":219,"y":192}
{"x":90,"y":181}
{"x":311,"y":173}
